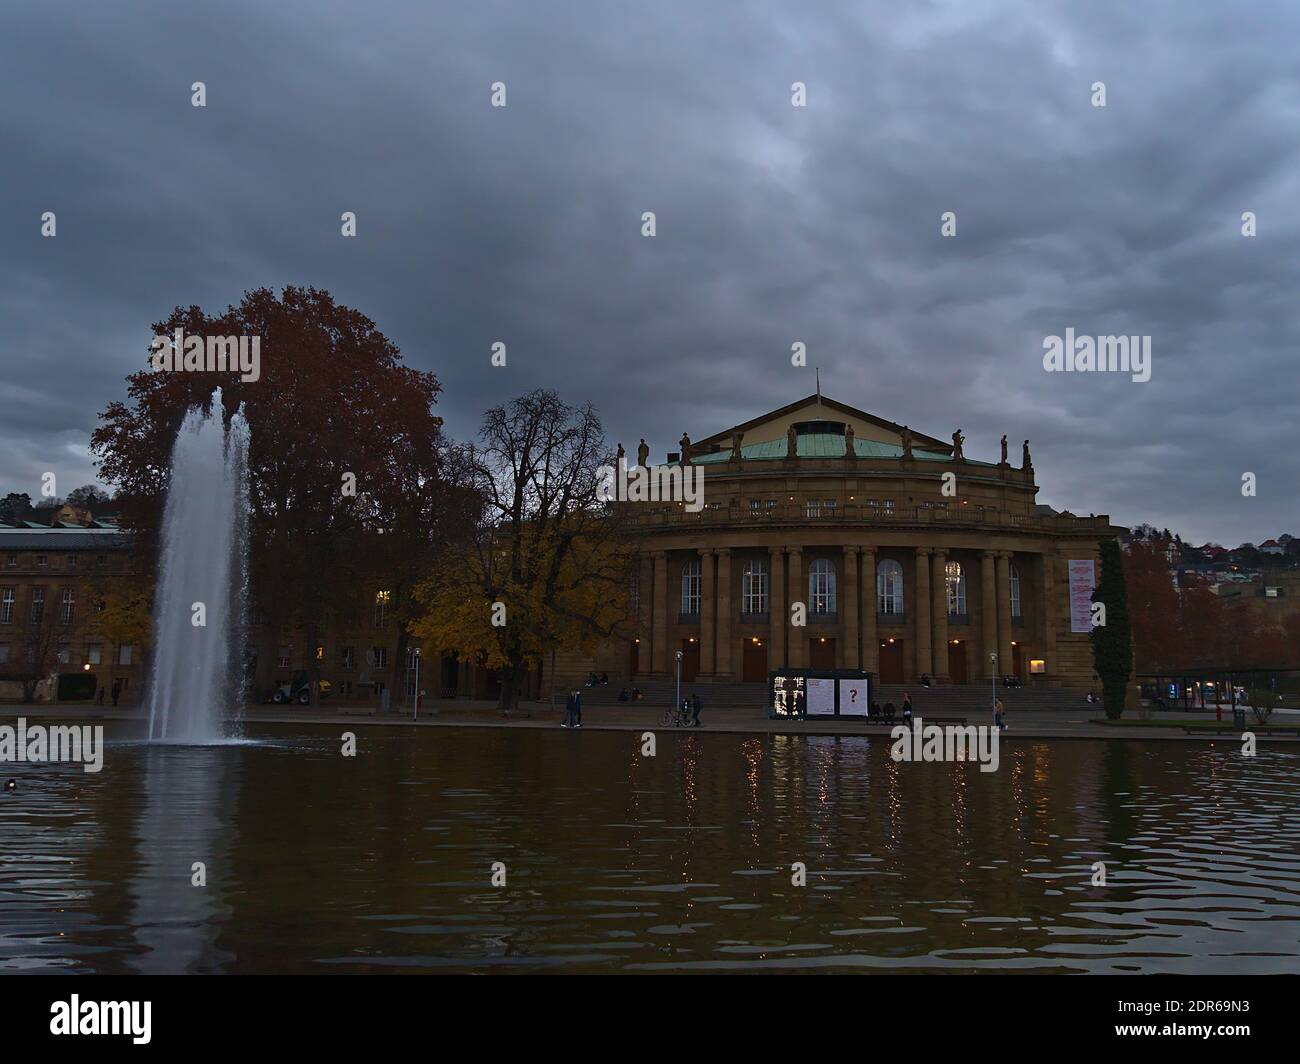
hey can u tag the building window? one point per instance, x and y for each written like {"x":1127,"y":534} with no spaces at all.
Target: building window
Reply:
{"x":691,"y":587}
{"x":94,"y":654}
{"x":4,"y":653}
{"x":11,"y":561}
{"x":66,"y":609}
{"x":379,"y":659}
{"x":753,"y":587}
{"x":124,"y":654}
{"x":38,"y":604}
{"x":348,"y":657}
{"x":820,"y":508}
{"x":634,"y":593}
{"x":1015,"y":592}
{"x":282,"y":657}
{"x":7,"y":606}
{"x":101,"y":560}
{"x":889,"y":587}
{"x":72,"y":561}
{"x":956,"y":580}
{"x":42,"y":561}
{"x":382,"y":599}
{"x":821,"y":586}
{"x":64,"y":654}
{"x":761,"y":507}
{"x":881,"y":505}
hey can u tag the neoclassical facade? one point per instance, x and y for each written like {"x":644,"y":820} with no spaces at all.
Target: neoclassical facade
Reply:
{"x":902,"y":556}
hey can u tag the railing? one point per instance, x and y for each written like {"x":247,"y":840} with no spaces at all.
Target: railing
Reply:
{"x":675,"y":515}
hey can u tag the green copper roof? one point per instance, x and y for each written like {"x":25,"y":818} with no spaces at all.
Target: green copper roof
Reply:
{"x":822,"y":445}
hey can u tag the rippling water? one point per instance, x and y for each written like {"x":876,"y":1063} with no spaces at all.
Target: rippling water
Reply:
{"x":320,"y":863}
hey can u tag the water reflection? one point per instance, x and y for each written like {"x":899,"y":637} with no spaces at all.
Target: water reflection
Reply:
{"x":619,"y":862}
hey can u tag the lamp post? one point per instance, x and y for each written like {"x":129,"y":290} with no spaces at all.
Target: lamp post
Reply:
{"x":993,"y":677}
{"x":678,"y":703}
{"x":417,"y":684}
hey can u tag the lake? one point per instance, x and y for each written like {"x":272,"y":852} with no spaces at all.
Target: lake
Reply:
{"x":614,"y":862}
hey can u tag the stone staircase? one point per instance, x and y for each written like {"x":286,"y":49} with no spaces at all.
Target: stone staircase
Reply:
{"x":663,"y":692}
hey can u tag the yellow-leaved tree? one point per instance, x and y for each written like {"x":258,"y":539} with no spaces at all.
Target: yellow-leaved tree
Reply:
{"x":546,"y":566}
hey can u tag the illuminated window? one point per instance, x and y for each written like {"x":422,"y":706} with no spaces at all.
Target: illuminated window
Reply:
{"x":821,"y":586}
{"x":889,"y":587}
{"x":1015,"y":592}
{"x":956,"y":580}
{"x":691,"y":587}
{"x":753,"y":587}
{"x":382,"y":599}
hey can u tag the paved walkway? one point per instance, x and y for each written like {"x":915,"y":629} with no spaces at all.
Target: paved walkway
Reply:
{"x":461,"y":713}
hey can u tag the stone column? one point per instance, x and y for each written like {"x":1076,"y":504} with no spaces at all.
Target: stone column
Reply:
{"x":921,"y":611}
{"x":659,"y":629}
{"x":645,"y":615}
{"x":776,"y":614}
{"x":798,"y":638}
{"x":706,"y":613}
{"x":870,"y":641}
{"x":1047,"y":573}
{"x":725,"y":610}
{"x":939,"y":589}
{"x":1003,"y":596}
{"x":988,"y":612}
{"x":849,"y":608}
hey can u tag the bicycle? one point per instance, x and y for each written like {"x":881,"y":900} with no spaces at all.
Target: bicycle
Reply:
{"x":674,"y":717}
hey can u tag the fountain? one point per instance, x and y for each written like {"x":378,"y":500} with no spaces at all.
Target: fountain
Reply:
{"x":202,"y":575}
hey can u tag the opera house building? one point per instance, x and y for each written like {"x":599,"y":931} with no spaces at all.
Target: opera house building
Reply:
{"x":900,"y":555}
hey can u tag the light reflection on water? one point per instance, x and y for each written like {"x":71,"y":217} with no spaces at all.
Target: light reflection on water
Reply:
{"x":317,"y":862}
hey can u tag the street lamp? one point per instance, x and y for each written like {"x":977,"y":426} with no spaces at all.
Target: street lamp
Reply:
{"x":416,"y":716}
{"x":993,"y":676}
{"x":679,"y":680}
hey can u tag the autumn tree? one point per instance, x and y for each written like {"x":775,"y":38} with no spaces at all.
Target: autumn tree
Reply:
{"x":344,"y":448}
{"x":545,"y":565}
{"x":1112,"y":644}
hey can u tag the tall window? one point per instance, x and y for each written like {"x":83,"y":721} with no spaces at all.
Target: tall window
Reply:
{"x":65,"y":611}
{"x":38,"y":604}
{"x":7,"y":606}
{"x":382,"y":599}
{"x":753,"y":587}
{"x":634,"y":593}
{"x":889,"y":587}
{"x":691,"y":587}
{"x":956,"y":579}
{"x":1015,"y":591}
{"x":821,"y":586}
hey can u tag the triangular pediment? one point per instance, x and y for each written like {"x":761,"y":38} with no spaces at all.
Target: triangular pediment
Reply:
{"x":776,"y":424}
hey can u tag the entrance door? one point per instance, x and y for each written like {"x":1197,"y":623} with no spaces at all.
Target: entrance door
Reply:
{"x":633,"y":659}
{"x":821,"y":652}
{"x":957,"y":661}
{"x":690,"y":660}
{"x":754,"y":661}
{"x":891,"y":661}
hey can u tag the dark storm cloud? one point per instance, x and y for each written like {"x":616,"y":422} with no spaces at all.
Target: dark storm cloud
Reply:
{"x":775,"y":224}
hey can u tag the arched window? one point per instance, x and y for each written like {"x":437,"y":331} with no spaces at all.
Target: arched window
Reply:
{"x":691,"y":586}
{"x":1015,"y":591}
{"x":889,"y":587}
{"x":821,"y":586}
{"x":753,"y":587}
{"x":956,"y":579}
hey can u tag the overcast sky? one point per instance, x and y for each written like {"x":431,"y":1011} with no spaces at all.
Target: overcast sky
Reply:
{"x":775,"y":223}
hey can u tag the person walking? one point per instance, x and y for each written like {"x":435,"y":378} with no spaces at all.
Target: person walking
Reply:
{"x":998,"y":710}
{"x":696,"y":706}
{"x":577,"y":709}
{"x":907,"y":708}
{"x":117,"y":691}
{"x":570,"y":710}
